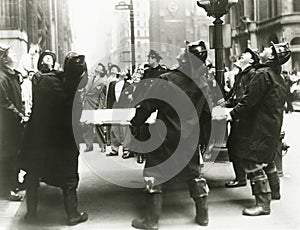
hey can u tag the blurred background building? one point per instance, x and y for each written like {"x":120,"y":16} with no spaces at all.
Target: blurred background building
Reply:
{"x":162,"y":25}
{"x":159,"y":24}
{"x":174,"y":21}
{"x":42,"y":22}
{"x":121,"y":40}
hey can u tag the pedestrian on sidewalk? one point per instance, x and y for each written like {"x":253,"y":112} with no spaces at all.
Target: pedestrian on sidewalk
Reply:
{"x":261,"y":109}
{"x":50,"y":151}
{"x":246,"y":64}
{"x":289,"y":98}
{"x":94,"y":97}
{"x":165,"y":158}
{"x":117,"y":97}
{"x":12,"y":116}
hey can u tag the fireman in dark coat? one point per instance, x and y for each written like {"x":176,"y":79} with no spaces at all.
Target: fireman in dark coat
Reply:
{"x":11,"y":116}
{"x":261,"y":114}
{"x":50,"y":152}
{"x":184,"y":128}
{"x":247,"y":62}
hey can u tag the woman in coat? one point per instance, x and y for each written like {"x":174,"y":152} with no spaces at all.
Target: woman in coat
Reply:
{"x":50,"y":152}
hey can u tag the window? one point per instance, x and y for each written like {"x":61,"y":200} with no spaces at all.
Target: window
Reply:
{"x":273,"y":11}
{"x":270,"y":10}
{"x":138,"y":44}
{"x":249,"y":9}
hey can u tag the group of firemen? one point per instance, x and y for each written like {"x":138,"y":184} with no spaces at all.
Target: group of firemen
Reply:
{"x":183,"y":100}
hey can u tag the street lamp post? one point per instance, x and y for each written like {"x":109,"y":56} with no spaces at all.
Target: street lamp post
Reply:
{"x":216,"y":9}
{"x":124,"y":6}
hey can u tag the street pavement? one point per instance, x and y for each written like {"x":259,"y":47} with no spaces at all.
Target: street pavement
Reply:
{"x":111,"y":206}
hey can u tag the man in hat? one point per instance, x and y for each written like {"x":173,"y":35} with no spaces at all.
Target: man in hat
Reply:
{"x":171,"y":157}
{"x":152,"y":71}
{"x":94,"y":97}
{"x":11,"y":117}
{"x":155,"y":69}
{"x":246,"y":64}
{"x":261,"y":110}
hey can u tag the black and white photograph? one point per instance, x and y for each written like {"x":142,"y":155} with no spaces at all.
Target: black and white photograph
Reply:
{"x":149,"y":114}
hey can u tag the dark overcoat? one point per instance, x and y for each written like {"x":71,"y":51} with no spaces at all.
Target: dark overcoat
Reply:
{"x":233,"y":98}
{"x":184,"y":128}
{"x":11,"y":110}
{"x":142,"y":132}
{"x":49,"y":149}
{"x":260,"y":112}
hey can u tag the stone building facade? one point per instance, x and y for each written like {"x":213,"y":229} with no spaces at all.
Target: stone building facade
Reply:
{"x":256,"y":23}
{"x":42,"y":22}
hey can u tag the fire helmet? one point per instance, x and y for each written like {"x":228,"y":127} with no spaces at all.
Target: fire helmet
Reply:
{"x":282,"y":52}
{"x":198,"y":49}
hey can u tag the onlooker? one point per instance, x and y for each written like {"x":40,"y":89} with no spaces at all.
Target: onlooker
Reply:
{"x":94,"y":97}
{"x":30,"y":60}
{"x":136,"y":78}
{"x":288,"y":82}
{"x":26,"y":88}
{"x":117,"y":97}
{"x":49,"y":152}
{"x":11,"y":117}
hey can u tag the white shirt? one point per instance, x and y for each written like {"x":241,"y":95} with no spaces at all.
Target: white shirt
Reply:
{"x":118,"y":89}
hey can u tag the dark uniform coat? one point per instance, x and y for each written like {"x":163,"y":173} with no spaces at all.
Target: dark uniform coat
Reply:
{"x":142,"y":132}
{"x":170,"y":118}
{"x":260,"y":113}
{"x":234,"y":96}
{"x":11,"y":110}
{"x":142,"y":87}
{"x":49,"y":149}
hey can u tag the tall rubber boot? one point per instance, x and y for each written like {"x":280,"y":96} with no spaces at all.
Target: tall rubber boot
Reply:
{"x":201,"y":210}
{"x":153,"y":207}
{"x":199,"y":192}
{"x":32,"y":184}
{"x":71,"y":205}
{"x":261,"y":190}
{"x":274,"y":182}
